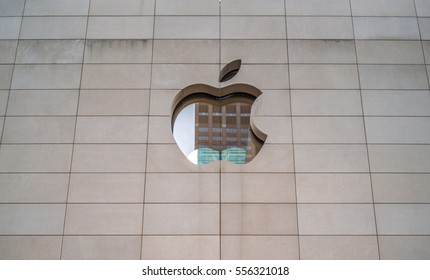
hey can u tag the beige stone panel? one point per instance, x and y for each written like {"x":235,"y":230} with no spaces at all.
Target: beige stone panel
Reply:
{"x":182,"y":188}
{"x":53,"y":28}
{"x":393,"y":77}
{"x":39,"y":130}
{"x":403,"y":219}
{"x":122,"y":129}
{"x":333,"y":188}
{"x":35,"y":158}
{"x":399,"y":158}
{"x":339,"y":248}
{"x":386,"y":28}
{"x":30,"y":247}
{"x":404,"y":247}
{"x":396,"y":103}
{"x":328,"y":130}
{"x":383,"y":8}
{"x":389,"y":52}
{"x":120,"y":27}
{"x":278,"y":129}
{"x":274,"y":77}
{"x":190,"y":27}
{"x":187,"y":7}
{"x":326,"y":102}
{"x":312,"y":76}
{"x":426,"y":48}
{"x":186,"y":51}
{"x":109,"y":158}
{"x":319,"y":28}
{"x":47,"y":76}
{"x":401,"y":130}
{"x":247,"y":27}
{"x":272,"y":103}
{"x":162,"y":101}
{"x":259,"y":248}
{"x":33,"y":188}
{"x":120,"y":76}
{"x":257,"y":188}
{"x":339,"y":219}
{"x":42,"y":102}
{"x":118,"y":51}
{"x":56,"y":7}
{"x":423,"y":8}
{"x":11,"y":7}
{"x":31,"y":219}
{"x":258,"y":219}
{"x":9,"y":27}
{"x":424,"y":25}
{"x":401,"y":188}
{"x":428,"y":73}
{"x":50,"y":51}
{"x":180,"y":248}
{"x":331,"y":158}
{"x":250,"y":51}
{"x":179,"y":76}
{"x":7,"y":51}
{"x":271,"y":158}
{"x":5,"y":76}
{"x":321,"y":51}
{"x":101,"y":248}
{"x":169,"y":158}
{"x":181,"y":219}
{"x":94,"y":219}
{"x":318,"y":8}
{"x":253,"y":7}
{"x":126,"y":8}
{"x":160,"y":130}
{"x":114,"y":102}
{"x":106,"y":188}
{"x":1,"y":123}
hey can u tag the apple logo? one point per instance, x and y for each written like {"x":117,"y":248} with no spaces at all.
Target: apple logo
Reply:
{"x":212,"y":124}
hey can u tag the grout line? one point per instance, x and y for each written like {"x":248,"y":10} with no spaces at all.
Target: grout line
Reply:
{"x":216,"y":172}
{"x":292,"y":132}
{"x":209,"y":64}
{"x":215,"y":203}
{"x":216,"y":235}
{"x":172,"y":144}
{"x":220,"y":164}
{"x":216,"y":15}
{"x":422,"y":45}
{"x":253,"y":116}
{"x":263,"y":89}
{"x":74,"y":133}
{"x":365,"y":134}
{"x":226,"y":39}
{"x":12,"y":76}
{"x":147,"y":129}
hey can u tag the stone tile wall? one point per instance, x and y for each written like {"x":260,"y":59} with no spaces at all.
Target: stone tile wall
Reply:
{"x":89,"y":168}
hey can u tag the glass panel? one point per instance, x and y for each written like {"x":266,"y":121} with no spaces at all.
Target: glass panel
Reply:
{"x":207,"y":129}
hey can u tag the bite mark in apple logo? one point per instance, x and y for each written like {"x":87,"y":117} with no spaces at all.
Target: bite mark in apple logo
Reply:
{"x":212,"y":123}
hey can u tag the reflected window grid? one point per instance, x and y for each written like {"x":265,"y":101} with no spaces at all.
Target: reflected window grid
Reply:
{"x":220,"y":132}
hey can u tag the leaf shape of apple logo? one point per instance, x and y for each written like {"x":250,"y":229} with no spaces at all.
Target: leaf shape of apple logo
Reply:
{"x":211,"y":123}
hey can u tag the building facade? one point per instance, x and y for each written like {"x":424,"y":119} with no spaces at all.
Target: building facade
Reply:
{"x":89,"y":167}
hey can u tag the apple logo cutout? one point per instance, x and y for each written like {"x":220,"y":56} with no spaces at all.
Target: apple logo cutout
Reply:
{"x":212,"y":123}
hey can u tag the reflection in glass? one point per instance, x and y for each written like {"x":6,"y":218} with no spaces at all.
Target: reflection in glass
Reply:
{"x":208,"y":128}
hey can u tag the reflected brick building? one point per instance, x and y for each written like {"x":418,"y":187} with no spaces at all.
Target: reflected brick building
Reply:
{"x":227,"y":130}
